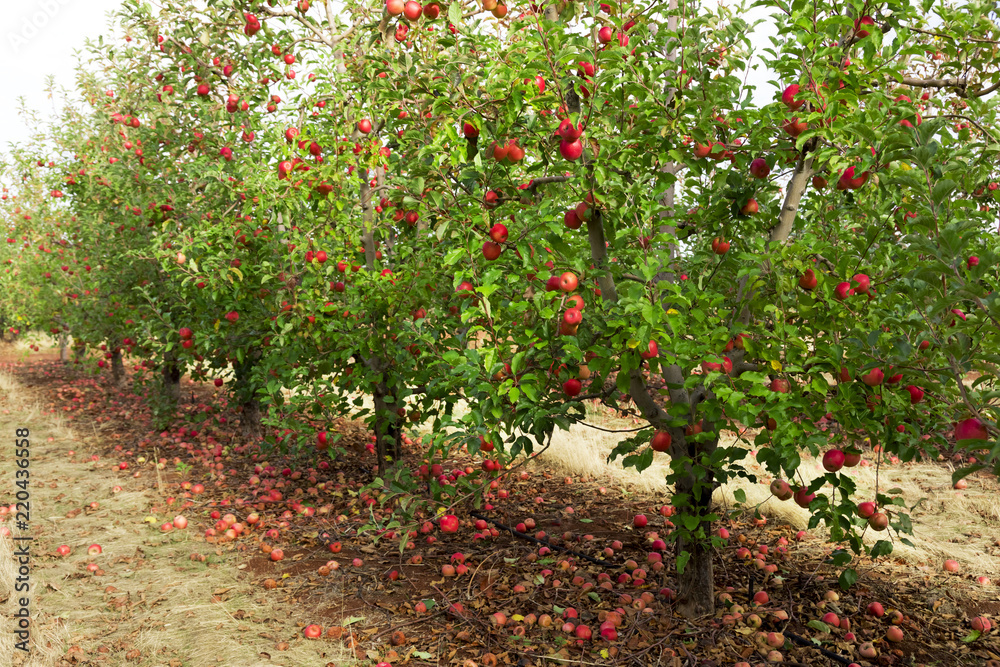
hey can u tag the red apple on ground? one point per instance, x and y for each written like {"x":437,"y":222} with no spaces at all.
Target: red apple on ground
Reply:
{"x":981,"y":624}
{"x":875,"y":609}
{"x":449,"y":523}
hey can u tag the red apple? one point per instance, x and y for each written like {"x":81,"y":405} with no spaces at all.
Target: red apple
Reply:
{"x":568,"y":282}
{"x":873,"y":378}
{"x":449,"y":523}
{"x":412,"y":10}
{"x":833,"y":460}
{"x":861,"y":283}
{"x":759,"y":168}
{"x":491,"y":250}
{"x":788,"y":96}
{"x":803,"y":497}
{"x":860,"y":33}
{"x":498,"y":233}
{"x":661,"y":441}
{"x":842,"y":291}
{"x":971,"y":429}
{"x":571,"y":150}
{"x":781,"y":489}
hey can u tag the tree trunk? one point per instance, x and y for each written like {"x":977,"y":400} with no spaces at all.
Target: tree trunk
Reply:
{"x":118,"y":368}
{"x":696,"y":586}
{"x":63,"y":348}
{"x":171,"y":376}
{"x":387,"y":430}
{"x":251,"y":427}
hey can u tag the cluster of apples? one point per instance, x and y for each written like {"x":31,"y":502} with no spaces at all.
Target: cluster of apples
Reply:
{"x":493,"y":247}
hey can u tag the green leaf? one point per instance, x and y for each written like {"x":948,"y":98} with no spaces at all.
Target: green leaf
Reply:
{"x":740,"y":495}
{"x":682,"y":561}
{"x":455,"y":14}
{"x":971,"y":637}
{"x":848,"y":578}
{"x":818,"y":625}
{"x":881,"y":548}
{"x":942,"y":190}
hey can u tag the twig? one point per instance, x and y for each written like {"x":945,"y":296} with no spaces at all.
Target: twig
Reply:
{"x":523,"y":536}
{"x":805,"y":642}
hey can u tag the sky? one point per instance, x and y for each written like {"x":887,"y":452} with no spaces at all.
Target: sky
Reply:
{"x":40,"y":39}
{"x":37,"y":40}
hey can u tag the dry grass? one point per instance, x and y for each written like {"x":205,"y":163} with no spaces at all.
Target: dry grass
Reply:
{"x":162,"y":604}
{"x":947,"y":523}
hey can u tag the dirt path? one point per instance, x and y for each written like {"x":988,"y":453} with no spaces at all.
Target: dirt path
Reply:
{"x":150,"y":603}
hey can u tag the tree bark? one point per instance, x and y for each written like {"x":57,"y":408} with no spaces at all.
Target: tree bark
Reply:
{"x":118,"y":368}
{"x":171,"y":376}
{"x":251,"y":425}
{"x":63,"y":348}
{"x":387,"y":430}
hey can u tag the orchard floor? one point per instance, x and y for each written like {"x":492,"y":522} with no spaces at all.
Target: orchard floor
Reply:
{"x":152,"y":604}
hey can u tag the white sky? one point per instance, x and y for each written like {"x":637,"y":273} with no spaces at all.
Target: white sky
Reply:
{"x":39,"y":38}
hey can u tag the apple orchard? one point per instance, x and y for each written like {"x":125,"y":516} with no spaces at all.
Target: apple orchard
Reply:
{"x":478,"y":217}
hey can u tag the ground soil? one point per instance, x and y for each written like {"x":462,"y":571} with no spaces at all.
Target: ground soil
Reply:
{"x":151,"y":604}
